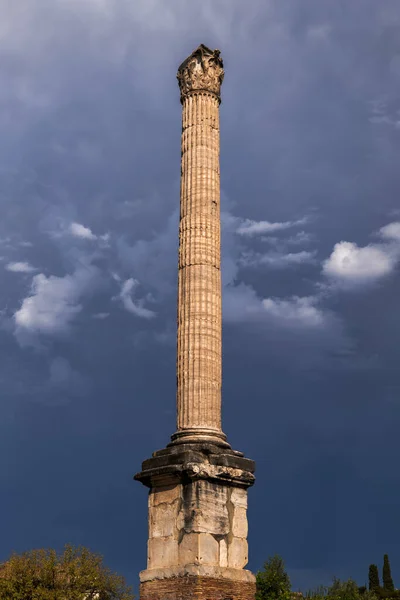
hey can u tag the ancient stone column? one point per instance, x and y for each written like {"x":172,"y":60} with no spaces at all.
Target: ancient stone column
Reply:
{"x":197,"y":544}
{"x":199,"y":350}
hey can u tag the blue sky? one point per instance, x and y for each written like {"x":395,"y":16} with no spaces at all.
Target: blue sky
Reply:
{"x":89,"y":193}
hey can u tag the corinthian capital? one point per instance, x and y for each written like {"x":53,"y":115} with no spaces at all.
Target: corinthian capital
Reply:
{"x":201,"y":71}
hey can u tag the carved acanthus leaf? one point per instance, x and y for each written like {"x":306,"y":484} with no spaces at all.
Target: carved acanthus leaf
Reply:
{"x":202,"y":70}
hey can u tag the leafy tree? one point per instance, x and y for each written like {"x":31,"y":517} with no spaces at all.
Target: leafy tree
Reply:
{"x":273,"y":582}
{"x":367,"y":595}
{"x":341,"y":590}
{"x":318,"y":593}
{"x":388,"y":584}
{"x":373,"y":578}
{"x":77,"y":574}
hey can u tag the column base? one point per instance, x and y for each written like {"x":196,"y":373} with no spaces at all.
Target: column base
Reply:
{"x":199,"y":436}
{"x":197,"y":582}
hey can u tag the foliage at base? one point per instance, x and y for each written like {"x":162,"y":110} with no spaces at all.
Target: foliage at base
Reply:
{"x":76,"y":574}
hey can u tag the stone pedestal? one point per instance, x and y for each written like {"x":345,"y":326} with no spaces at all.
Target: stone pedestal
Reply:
{"x":197,"y":544}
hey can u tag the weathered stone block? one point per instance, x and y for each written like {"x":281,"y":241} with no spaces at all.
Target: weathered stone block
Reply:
{"x":239,"y":522}
{"x":204,"y":508}
{"x":162,"y":552}
{"x":239,"y":497}
{"x":165,"y":494}
{"x":208,"y":549}
{"x":223,"y":554}
{"x":162,"y":520}
{"x":189,"y":549}
{"x":237,"y":553}
{"x":199,"y":548}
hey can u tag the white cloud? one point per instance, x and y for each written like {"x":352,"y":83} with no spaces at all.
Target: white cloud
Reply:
{"x":60,"y":227}
{"x":297,"y":327}
{"x":302,"y":237}
{"x":53,"y":303}
{"x":241,"y":304}
{"x":20,"y":267}
{"x":352,"y":264}
{"x":295,"y":311}
{"x":101,"y":316}
{"x":252,"y":228}
{"x":391,"y":231}
{"x":78,"y":230}
{"x":105,"y":238}
{"x":116,"y":277}
{"x":135,"y":307}
{"x":277,"y":260}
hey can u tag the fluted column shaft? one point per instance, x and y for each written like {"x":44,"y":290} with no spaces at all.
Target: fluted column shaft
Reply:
{"x":199,"y":275}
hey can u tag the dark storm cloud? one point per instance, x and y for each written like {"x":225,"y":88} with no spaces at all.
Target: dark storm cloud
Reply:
{"x":89,"y":188}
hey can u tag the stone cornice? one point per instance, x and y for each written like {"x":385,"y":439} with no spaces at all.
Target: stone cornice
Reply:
{"x":202,"y":71}
{"x":191,"y":462}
